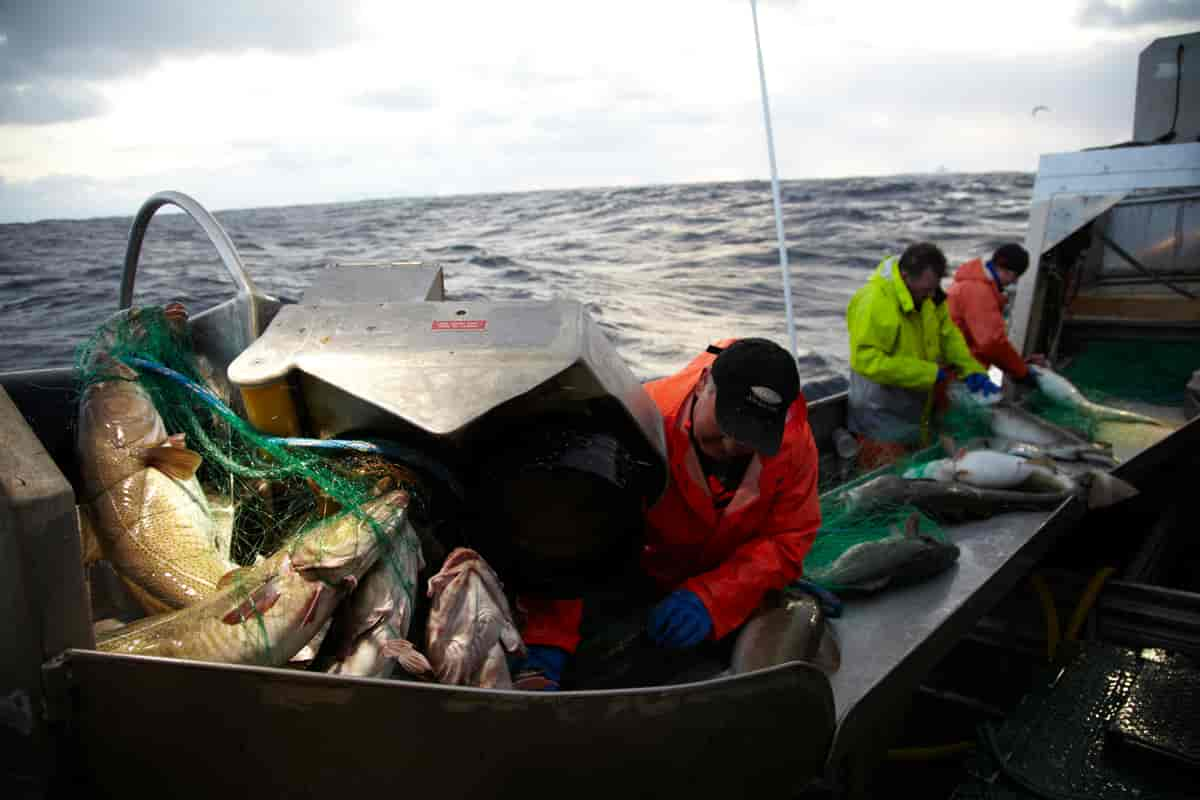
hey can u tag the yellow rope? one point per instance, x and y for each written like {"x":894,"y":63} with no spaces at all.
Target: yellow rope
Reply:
{"x":929,"y":753}
{"x":1087,"y":600}
{"x":1049,"y":611}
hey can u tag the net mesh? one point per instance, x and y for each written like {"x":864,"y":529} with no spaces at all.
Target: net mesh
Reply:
{"x":1155,"y":372}
{"x":274,"y":491}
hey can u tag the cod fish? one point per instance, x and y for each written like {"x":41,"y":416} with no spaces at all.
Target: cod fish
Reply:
{"x":269,"y":611}
{"x":149,"y":514}
{"x":1018,"y":425}
{"x":471,"y":627}
{"x":370,"y":632}
{"x":903,"y":557}
{"x":988,"y":469}
{"x":946,"y":502}
{"x":797,"y":631}
{"x":1090,"y":453}
{"x":1063,"y":392}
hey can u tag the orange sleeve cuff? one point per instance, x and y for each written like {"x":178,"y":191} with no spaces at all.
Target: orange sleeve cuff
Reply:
{"x":551,"y":622}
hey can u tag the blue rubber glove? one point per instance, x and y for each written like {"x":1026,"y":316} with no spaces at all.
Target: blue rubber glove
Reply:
{"x":680,"y":620}
{"x":941,"y":376}
{"x":545,"y":659}
{"x":979,"y":383}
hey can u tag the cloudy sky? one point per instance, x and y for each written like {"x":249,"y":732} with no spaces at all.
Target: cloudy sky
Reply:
{"x":282,"y":102}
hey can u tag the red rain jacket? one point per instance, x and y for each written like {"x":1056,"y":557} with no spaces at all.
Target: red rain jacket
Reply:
{"x":977,"y":308}
{"x":729,"y":557}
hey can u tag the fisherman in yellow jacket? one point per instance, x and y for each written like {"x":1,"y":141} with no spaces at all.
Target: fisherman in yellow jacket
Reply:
{"x":903,"y":346}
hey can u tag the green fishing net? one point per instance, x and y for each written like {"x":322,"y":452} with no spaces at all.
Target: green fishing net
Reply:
{"x":1152,"y":372}
{"x":274,"y":491}
{"x":843,"y":527}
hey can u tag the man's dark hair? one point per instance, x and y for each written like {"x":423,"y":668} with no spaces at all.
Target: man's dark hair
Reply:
{"x":1011,"y":256}
{"x":922,"y":256}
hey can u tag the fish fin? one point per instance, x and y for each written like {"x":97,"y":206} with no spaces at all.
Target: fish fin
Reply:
{"x":230,"y":577}
{"x":310,"y":610}
{"x":1106,"y":490}
{"x":258,"y":602}
{"x":409,"y":658}
{"x":962,"y":451}
{"x":912,"y":525}
{"x":177,"y":462}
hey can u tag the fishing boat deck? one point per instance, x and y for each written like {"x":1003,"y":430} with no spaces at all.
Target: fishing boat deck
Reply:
{"x":889,"y":641}
{"x":1127,"y":439}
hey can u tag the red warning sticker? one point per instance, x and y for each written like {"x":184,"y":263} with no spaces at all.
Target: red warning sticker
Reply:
{"x":459,"y":324}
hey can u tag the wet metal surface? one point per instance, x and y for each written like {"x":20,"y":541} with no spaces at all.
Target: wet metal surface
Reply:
{"x":891,"y":639}
{"x":1056,"y":742}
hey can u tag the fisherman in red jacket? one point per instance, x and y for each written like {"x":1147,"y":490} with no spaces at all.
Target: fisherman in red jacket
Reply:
{"x":739,"y":515}
{"x":976,"y":300}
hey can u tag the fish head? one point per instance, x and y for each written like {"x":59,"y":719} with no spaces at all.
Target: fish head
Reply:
{"x":118,"y":426}
{"x":345,"y":546}
{"x":461,"y":567}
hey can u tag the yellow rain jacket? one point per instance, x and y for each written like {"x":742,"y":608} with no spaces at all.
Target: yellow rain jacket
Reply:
{"x":895,"y":352}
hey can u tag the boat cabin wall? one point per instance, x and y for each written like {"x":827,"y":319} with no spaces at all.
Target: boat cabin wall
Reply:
{"x":1136,"y":277}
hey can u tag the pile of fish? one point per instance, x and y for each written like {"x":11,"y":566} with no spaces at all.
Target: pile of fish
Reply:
{"x":1027,"y":464}
{"x":341,"y":592}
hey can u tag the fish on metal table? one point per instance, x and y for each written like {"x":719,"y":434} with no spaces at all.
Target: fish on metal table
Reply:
{"x":369,"y":637}
{"x":471,"y":630}
{"x":902,"y":557}
{"x":267,"y":612}
{"x":1018,"y":425}
{"x":150,"y":516}
{"x":1086,"y":452}
{"x":796,"y":631}
{"x":990,"y":469}
{"x":1063,"y":392}
{"x":949,"y":502}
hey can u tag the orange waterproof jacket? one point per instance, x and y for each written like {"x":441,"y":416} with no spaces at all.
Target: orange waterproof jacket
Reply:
{"x":977,"y":308}
{"x":729,"y":557}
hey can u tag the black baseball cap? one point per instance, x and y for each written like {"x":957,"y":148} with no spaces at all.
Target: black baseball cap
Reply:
{"x":757,"y":382}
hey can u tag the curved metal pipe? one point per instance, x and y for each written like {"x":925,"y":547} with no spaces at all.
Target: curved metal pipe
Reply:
{"x":216,"y":234}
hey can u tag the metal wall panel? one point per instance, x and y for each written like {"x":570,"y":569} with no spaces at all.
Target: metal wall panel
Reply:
{"x":141,"y":725}
{"x":1164,"y":236}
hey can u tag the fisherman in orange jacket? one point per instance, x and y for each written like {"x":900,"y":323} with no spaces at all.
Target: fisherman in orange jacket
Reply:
{"x":736,"y":520}
{"x":976,"y":300}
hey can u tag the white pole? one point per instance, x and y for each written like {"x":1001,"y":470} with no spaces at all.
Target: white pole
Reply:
{"x":783,"y":256}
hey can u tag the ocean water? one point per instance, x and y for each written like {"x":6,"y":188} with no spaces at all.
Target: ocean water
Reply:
{"x":664,"y":270}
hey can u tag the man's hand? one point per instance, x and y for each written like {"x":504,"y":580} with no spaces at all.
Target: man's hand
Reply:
{"x":979,"y":383}
{"x":680,"y":620}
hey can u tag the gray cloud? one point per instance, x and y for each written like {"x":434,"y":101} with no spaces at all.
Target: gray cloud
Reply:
{"x":46,"y":102}
{"x":52,"y":49}
{"x":414,"y":99}
{"x":1107,"y":14}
